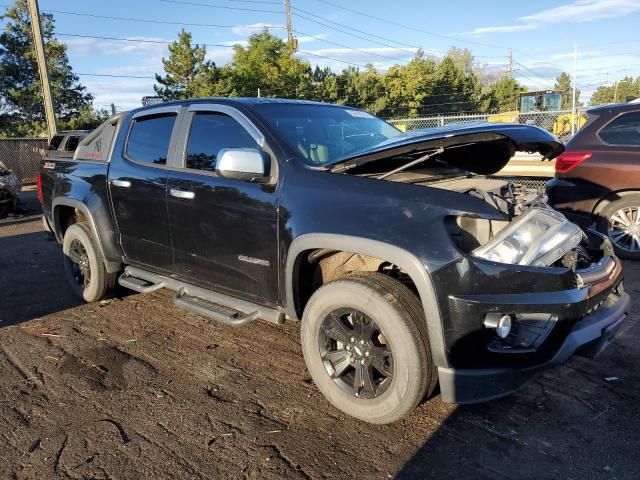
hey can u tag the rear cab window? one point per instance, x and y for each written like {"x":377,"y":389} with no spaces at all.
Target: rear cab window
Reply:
{"x":149,"y":138}
{"x":624,"y":130}
{"x":72,"y":143}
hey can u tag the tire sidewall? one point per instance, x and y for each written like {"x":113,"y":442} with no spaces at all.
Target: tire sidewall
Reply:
{"x":409,"y":360}
{"x":95,"y":290}
{"x":605,"y":215}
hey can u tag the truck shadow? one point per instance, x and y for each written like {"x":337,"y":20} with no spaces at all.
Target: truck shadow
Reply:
{"x":32,"y":282}
{"x":575,"y":421}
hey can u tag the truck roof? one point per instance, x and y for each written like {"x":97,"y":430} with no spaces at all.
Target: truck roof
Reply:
{"x":247,"y":101}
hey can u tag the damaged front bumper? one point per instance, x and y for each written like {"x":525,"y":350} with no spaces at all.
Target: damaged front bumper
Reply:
{"x":580,"y":320}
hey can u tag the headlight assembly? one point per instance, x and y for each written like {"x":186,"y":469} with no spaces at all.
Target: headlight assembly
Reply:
{"x":538,"y":237}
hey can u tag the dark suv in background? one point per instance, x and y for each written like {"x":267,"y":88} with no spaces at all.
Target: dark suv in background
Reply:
{"x":597,"y":180}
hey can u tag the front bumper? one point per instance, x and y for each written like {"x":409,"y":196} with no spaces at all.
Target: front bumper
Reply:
{"x":589,"y":336}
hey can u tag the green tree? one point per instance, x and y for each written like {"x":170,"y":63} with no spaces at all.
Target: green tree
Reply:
{"x":565,"y":87}
{"x":187,"y":72}
{"x":618,"y":92}
{"x":267,"y":63}
{"x":502,"y":96}
{"x":21,"y":105}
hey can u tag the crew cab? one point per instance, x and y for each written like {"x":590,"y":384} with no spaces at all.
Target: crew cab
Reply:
{"x":406,"y":265}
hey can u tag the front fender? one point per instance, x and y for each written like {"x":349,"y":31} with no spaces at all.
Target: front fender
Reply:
{"x":393,"y":254}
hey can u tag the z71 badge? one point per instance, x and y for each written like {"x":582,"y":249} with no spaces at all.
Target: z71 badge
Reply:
{"x":49,"y":165}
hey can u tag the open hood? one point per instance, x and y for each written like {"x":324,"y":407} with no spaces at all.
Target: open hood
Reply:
{"x":482,"y":148}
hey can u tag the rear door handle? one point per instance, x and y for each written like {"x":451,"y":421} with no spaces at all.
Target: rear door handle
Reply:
{"x":182,"y":194}
{"x":121,"y":183}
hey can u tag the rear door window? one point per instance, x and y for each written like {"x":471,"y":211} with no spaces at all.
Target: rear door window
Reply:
{"x":624,"y":130}
{"x":149,"y":138}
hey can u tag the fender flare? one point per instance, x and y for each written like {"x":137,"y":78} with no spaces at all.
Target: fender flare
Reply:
{"x":374,"y":248}
{"x":111,"y":265}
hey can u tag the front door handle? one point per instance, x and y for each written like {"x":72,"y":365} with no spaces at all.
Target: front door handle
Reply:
{"x":121,"y":183}
{"x":182,"y":194}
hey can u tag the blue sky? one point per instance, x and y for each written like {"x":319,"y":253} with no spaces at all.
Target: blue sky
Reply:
{"x":541,"y":34}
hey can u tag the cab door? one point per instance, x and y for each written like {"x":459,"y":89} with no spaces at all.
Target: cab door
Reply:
{"x":138,"y":187}
{"x":224,"y":231}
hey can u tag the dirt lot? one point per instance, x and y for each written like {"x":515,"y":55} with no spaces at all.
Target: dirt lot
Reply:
{"x":135,"y":388}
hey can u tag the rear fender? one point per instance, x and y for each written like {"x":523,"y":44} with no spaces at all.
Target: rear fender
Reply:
{"x":101,"y":225}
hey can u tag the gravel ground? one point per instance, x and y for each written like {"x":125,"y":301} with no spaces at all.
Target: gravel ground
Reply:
{"x":135,"y":388}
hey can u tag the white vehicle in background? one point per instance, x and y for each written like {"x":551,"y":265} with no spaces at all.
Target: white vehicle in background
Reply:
{"x":10,"y":187}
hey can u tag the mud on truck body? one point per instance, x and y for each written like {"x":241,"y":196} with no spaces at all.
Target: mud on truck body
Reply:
{"x":406,"y":266}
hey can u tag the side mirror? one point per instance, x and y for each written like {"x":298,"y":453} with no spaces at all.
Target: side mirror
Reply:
{"x":243,"y":164}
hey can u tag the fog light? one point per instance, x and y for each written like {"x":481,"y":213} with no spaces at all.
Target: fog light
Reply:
{"x":500,"y":322}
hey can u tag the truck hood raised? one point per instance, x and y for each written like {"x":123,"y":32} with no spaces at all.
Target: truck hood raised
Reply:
{"x":482,"y":148}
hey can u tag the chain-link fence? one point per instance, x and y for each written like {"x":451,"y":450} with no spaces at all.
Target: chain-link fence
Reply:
{"x":558,"y":122}
{"x":22,"y":155}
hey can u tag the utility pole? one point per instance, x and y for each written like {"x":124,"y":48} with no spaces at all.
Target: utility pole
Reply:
{"x":574,"y":114}
{"x":291,"y":40}
{"x":510,"y":67}
{"x":113,"y":109}
{"x":34,"y":14}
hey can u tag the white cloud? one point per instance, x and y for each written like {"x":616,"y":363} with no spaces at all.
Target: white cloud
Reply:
{"x":250,"y":29}
{"x":138,"y":45}
{"x":585,"y":11}
{"x":505,"y":29}
{"x":309,"y":38}
{"x":577,"y":12}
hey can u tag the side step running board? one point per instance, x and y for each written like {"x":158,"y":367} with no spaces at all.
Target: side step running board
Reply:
{"x":215,"y":305}
{"x":138,"y":284}
{"x":212,"y":310}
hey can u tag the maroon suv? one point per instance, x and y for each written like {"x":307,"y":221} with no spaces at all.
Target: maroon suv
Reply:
{"x":597,"y":180}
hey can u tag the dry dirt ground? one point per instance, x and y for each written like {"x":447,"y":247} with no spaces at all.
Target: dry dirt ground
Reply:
{"x":135,"y":388}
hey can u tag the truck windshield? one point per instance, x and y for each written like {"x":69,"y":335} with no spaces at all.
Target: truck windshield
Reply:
{"x":323,"y":134}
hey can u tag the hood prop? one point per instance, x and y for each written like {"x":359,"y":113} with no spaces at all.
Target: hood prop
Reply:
{"x":412,"y":163}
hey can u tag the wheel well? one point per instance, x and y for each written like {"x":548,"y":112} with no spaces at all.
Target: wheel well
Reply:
{"x":610,"y":198}
{"x":66,"y":216}
{"x":317,"y":267}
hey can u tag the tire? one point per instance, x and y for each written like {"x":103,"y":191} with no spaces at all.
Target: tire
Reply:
{"x":80,"y":248}
{"x":608,"y":223}
{"x":400,"y":326}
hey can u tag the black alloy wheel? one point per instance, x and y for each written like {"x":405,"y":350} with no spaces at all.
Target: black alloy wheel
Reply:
{"x":355,"y":353}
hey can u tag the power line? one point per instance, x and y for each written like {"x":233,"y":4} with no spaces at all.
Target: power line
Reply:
{"x":161,"y":22}
{"x":112,"y":75}
{"x":330,"y":58}
{"x":387,"y":21}
{"x":312,"y":18}
{"x":136,"y":40}
{"x":208,"y":5}
{"x":349,"y":48}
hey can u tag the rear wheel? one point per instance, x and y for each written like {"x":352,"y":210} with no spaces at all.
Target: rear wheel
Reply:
{"x":620,"y":221}
{"x":364,"y":341}
{"x":84,"y":265}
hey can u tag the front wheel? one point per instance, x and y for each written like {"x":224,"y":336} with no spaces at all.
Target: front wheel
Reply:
{"x":84,"y":266}
{"x":365,"y":344}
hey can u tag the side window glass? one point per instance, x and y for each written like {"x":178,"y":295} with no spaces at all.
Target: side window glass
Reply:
{"x":55,"y":142}
{"x":624,"y":130}
{"x":210,"y":133}
{"x":72,"y":143}
{"x":149,"y":138}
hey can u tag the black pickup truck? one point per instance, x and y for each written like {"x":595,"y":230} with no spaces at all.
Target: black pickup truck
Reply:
{"x":407,"y":264}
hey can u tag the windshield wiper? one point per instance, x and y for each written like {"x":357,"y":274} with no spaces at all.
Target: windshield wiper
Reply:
{"x":412,"y":163}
